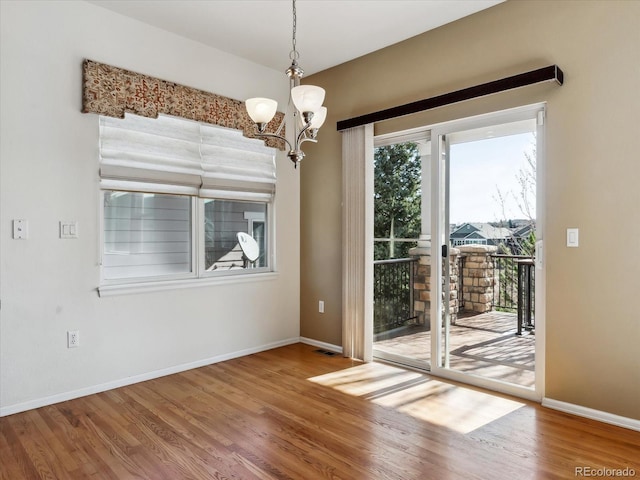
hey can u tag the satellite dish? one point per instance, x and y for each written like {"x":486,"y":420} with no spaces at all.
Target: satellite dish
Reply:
{"x":249,"y":246}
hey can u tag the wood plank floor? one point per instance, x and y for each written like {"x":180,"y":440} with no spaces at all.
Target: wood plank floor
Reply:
{"x":292,"y":413}
{"x":482,"y":344}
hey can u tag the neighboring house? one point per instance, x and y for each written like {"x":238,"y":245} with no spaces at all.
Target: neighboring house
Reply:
{"x":226,"y":219}
{"x":520,"y":242}
{"x":479,"y":234}
{"x":524,"y":231}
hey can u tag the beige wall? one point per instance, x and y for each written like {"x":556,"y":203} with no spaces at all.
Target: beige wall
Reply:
{"x":593,"y":169}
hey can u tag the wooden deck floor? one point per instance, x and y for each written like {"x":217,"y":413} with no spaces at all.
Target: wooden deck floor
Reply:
{"x":483,"y":344}
{"x":292,"y":413}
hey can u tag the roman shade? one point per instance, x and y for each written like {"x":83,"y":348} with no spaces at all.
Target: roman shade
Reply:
{"x":234,"y":166}
{"x":178,"y":156}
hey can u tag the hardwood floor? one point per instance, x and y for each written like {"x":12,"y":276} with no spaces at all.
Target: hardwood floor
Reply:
{"x":483,"y":344}
{"x":292,"y":413}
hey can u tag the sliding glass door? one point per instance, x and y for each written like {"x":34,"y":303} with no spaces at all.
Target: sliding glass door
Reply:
{"x":458,"y":278}
{"x":484,"y":265}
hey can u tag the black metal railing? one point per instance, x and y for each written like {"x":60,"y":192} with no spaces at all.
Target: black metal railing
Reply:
{"x":526,"y":297}
{"x":392,"y":294}
{"x":515,"y":287}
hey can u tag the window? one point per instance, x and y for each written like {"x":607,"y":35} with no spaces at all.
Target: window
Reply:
{"x":258,"y":230}
{"x":223,"y":220}
{"x":469,"y":241}
{"x":176,"y":194}
{"x":146,"y":235}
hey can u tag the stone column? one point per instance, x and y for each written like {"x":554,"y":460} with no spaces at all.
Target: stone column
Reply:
{"x":422,"y":284}
{"x":479,"y":282}
{"x":454,"y":300}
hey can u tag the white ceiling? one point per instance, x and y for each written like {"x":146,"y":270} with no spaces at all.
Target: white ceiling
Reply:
{"x":329,"y":32}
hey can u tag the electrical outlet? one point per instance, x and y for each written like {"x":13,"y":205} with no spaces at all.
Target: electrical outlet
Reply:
{"x":73,"y":338}
{"x":20,"y":229}
{"x":321,"y":306}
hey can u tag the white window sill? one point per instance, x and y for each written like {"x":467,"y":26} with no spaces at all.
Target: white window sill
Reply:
{"x":146,"y":287}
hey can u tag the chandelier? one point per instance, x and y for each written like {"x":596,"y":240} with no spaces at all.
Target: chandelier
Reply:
{"x":308,"y":114}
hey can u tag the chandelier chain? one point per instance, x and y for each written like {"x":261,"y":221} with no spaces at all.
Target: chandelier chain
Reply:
{"x":294,"y":55}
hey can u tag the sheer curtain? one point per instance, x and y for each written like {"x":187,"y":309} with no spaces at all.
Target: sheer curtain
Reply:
{"x":357,"y":242}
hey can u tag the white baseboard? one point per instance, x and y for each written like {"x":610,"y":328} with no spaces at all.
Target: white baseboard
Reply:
{"x":599,"y":415}
{"x":316,"y":343}
{"x":82,"y":392}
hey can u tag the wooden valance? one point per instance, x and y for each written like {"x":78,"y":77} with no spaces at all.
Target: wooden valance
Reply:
{"x":545,"y":74}
{"x":112,"y":91}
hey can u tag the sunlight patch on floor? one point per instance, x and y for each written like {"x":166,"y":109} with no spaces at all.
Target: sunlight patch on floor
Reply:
{"x":420,"y":396}
{"x":366,"y":379}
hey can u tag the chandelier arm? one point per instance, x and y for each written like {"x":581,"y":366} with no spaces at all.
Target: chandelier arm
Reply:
{"x":281,"y":126}
{"x":301,"y":134}
{"x":279,"y":137}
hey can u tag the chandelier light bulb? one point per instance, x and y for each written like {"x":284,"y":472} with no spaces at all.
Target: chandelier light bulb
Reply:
{"x":307,"y":98}
{"x":261,"y":110}
{"x":319,"y":117}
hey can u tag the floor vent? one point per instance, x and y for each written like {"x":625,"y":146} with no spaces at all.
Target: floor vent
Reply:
{"x":325,"y":352}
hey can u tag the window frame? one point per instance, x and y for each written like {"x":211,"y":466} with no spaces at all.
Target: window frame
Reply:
{"x":198,"y":276}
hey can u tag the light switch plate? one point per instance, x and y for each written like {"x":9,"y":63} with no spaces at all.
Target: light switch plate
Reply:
{"x":572,"y":237}
{"x":68,"y":229}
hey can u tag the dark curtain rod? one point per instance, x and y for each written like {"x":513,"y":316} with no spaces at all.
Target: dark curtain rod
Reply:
{"x":544,"y":74}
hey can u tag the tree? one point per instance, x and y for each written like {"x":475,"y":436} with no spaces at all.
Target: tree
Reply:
{"x":397,"y":198}
{"x":525,"y":199}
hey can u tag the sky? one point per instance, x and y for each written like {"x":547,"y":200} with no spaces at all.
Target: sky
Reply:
{"x":479,"y":169}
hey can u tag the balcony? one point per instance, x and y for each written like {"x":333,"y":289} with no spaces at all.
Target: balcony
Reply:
{"x":492,"y":312}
